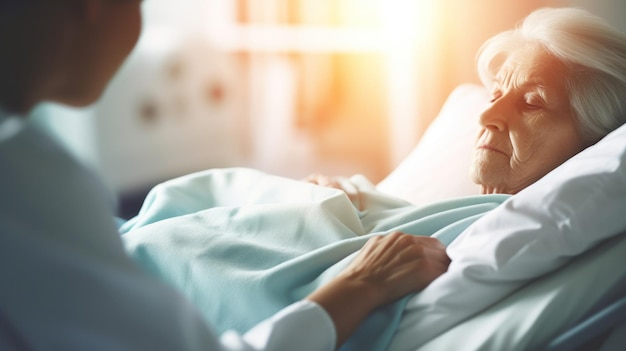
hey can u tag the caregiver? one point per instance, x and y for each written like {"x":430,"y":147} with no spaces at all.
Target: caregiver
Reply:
{"x":67,"y":283}
{"x":557,"y":85}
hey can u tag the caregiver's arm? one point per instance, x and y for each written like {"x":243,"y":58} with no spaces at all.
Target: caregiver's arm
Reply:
{"x":387,"y":268}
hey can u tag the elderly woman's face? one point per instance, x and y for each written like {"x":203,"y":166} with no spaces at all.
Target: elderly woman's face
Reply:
{"x":529,"y":128}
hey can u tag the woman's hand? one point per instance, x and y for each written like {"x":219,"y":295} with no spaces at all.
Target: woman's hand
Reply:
{"x":340,"y":183}
{"x":387,"y":268}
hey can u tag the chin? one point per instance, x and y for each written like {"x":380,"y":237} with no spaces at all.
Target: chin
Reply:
{"x":82,"y":99}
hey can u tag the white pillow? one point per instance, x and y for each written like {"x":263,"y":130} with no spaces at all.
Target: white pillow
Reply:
{"x":571,"y":209}
{"x":438,"y":167}
{"x":532,"y":316}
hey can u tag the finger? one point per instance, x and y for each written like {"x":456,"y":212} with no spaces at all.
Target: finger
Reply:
{"x":432,"y":248}
{"x":436,"y":255}
{"x":419,"y":246}
{"x":428,"y":241}
{"x":311,"y":178}
{"x":428,"y":274}
{"x":394,"y":247}
{"x":330,"y":182}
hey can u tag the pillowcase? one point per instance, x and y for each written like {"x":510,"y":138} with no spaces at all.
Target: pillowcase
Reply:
{"x":568,"y":211}
{"x":438,"y":167}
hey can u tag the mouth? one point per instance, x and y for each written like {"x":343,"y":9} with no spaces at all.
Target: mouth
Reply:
{"x":491,"y":148}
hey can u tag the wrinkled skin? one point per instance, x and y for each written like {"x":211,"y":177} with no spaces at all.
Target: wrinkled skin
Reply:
{"x":529,"y":128}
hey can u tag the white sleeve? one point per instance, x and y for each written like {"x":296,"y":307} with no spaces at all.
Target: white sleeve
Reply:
{"x":303,"y":326}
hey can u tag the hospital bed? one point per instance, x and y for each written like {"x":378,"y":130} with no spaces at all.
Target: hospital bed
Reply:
{"x":526,"y":275}
{"x":581,"y":306}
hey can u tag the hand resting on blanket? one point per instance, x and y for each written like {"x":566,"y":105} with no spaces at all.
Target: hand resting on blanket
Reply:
{"x":386,"y":269}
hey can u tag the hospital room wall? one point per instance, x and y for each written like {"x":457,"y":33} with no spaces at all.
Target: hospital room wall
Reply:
{"x":216,"y":83}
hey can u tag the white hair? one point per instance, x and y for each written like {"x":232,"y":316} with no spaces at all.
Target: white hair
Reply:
{"x":593,"y":52}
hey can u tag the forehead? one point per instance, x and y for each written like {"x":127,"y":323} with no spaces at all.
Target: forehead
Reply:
{"x":532,"y":64}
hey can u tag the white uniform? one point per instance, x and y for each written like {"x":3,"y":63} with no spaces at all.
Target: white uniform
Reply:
{"x":67,"y":284}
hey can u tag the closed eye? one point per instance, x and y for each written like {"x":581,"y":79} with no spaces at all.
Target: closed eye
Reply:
{"x":533,"y":101}
{"x":532,"y":106}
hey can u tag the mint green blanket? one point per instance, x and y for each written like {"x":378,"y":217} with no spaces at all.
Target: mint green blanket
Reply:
{"x":242,"y":244}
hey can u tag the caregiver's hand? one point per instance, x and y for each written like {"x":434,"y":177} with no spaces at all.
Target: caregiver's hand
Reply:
{"x":387,"y":268}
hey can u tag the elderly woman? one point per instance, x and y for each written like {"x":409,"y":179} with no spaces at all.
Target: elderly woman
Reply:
{"x":557,"y":86}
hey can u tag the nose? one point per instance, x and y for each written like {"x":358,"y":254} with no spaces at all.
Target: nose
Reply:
{"x":493,"y":118}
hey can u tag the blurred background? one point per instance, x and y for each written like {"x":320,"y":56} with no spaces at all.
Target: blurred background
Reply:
{"x":290,"y":87}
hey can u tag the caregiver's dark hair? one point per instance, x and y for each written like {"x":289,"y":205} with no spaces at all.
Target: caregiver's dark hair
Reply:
{"x":594,"y":53}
